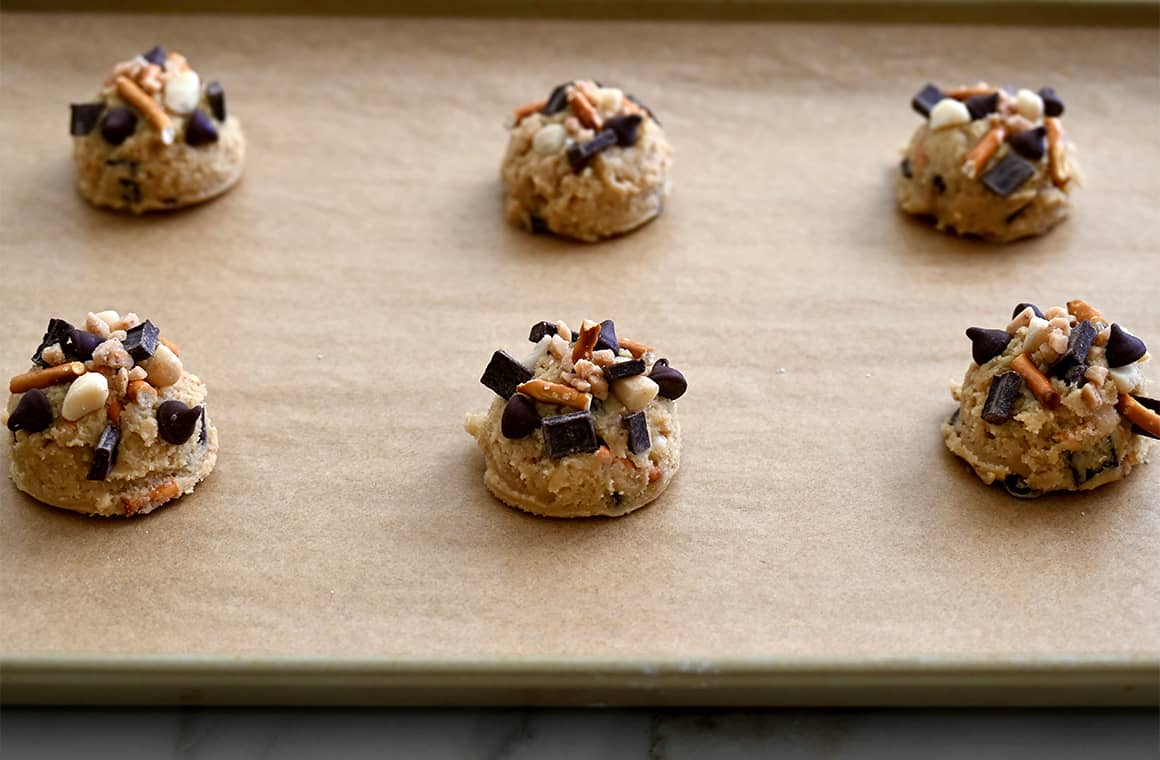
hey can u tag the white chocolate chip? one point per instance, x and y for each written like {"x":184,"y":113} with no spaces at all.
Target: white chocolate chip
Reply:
{"x":88,"y":393}
{"x":549,"y":140}
{"x":1127,"y":379}
{"x":1029,"y":105}
{"x":164,"y":368}
{"x":609,"y":100}
{"x":538,"y":351}
{"x":1037,"y":331}
{"x":947,"y":113}
{"x":635,"y":392}
{"x":182,"y":92}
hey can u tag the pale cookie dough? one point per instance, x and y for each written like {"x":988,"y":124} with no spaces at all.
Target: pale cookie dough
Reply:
{"x":1053,"y":402}
{"x":108,"y":422}
{"x":586,"y":425}
{"x":988,"y":163}
{"x":589,"y":162}
{"x":157,"y":138}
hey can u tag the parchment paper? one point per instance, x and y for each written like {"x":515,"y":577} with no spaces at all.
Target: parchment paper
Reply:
{"x":342,"y":302}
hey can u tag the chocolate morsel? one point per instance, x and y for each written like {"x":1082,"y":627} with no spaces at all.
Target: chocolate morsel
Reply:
{"x":155,"y":55}
{"x":981,"y":105}
{"x":79,"y":345}
{"x":119,"y":125}
{"x":1123,"y":347}
{"x":626,"y":127}
{"x":579,"y":154}
{"x":32,"y":414}
{"x":671,"y":382}
{"x":1052,"y":105}
{"x":987,"y":344}
{"x":176,"y":421}
{"x":1034,"y":309}
{"x":199,"y":130}
{"x":607,"y":339}
{"x":520,"y":417}
{"x":557,"y":100}
{"x":540,"y":329}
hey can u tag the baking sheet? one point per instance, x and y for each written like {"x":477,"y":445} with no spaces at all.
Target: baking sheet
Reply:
{"x":342,"y":301}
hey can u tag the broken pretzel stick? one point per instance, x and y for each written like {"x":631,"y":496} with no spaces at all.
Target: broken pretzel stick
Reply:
{"x":131,"y":93}
{"x":636,"y":349}
{"x":584,"y":109}
{"x":113,"y":409}
{"x":43,"y":378}
{"x":1038,"y":382}
{"x":527,"y":109}
{"x":1085,"y":312}
{"x":1057,"y":152}
{"x":978,"y":156}
{"x":589,"y":334}
{"x":1139,"y":415}
{"x":962,"y":93}
{"x":554,"y":393}
{"x":138,"y":387}
{"x":155,"y":497}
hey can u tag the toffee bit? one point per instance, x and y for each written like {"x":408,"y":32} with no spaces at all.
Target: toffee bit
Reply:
{"x":1005,"y":388}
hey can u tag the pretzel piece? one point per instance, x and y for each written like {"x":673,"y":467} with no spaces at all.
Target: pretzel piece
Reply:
{"x":43,"y":378}
{"x":555,"y":393}
{"x":978,"y":156}
{"x":962,"y":93}
{"x":131,"y":93}
{"x":113,"y":409}
{"x":1085,"y":312}
{"x":1038,"y":382}
{"x":1139,"y":415}
{"x":584,"y":109}
{"x":158,"y":495}
{"x":136,"y":388}
{"x":589,"y":334}
{"x":636,"y":349}
{"x":527,"y":109}
{"x":1056,"y":152}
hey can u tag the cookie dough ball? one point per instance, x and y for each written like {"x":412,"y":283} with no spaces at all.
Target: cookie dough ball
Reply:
{"x":987,"y":163}
{"x":1053,"y":402}
{"x":156,"y":138}
{"x":586,"y":425}
{"x":590,"y":162}
{"x":108,"y":422}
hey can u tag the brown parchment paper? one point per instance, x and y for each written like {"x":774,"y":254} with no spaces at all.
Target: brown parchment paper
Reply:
{"x":342,"y":301}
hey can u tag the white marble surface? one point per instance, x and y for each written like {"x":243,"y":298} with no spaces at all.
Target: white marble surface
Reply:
{"x":221,"y":734}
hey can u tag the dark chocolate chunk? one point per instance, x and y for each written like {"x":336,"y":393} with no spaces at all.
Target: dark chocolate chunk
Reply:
{"x":1008,"y":175}
{"x":1085,"y":465}
{"x":504,"y":373}
{"x":926,"y":99}
{"x":540,"y":329}
{"x":939,"y":183}
{"x":203,"y":433}
{"x":621,"y":370}
{"x":986,"y":344}
{"x":626,"y":128}
{"x":119,"y":125}
{"x":520,"y":417}
{"x":1030,"y":143}
{"x":607,"y":339}
{"x":79,"y":345}
{"x":1052,"y":105}
{"x":1123,"y":347}
{"x":904,"y":167}
{"x":57,"y":333}
{"x":1001,"y":396}
{"x":646,"y":109}
{"x":539,"y":226}
{"x":981,"y":105}
{"x":216,"y":95}
{"x":1075,"y":375}
{"x":1016,"y":214}
{"x":672,"y":383}
{"x":1034,"y":310}
{"x":1149,"y":403}
{"x":199,"y":130}
{"x":573,"y":433}
{"x":176,"y":421}
{"x":558,"y":100}
{"x":32,"y":414}
{"x":1017,"y":487}
{"x":141,"y":341}
{"x":637,"y":426}
{"x":1078,"y":345}
{"x":954,"y":418}
{"x":105,"y":454}
{"x":83,"y":118}
{"x":155,"y":55}
{"x":579,"y":154}
{"x":131,"y":190}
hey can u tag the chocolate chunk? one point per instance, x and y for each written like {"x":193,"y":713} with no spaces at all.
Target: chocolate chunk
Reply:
{"x":954,"y":418}
{"x":607,"y":339}
{"x":199,"y":130}
{"x":939,"y":183}
{"x":105,"y":454}
{"x":987,"y":344}
{"x":520,"y":417}
{"x":540,"y":329}
{"x":1034,"y":310}
{"x":1052,"y":105}
{"x":79,"y":345}
{"x":155,"y":55}
{"x":539,"y":226}
{"x":132,"y":190}
{"x":83,"y":118}
{"x":1017,"y":487}
{"x":1008,"y":175}
{"x":141,"y":341}
{"x":672,"y":383}
{"x":216,"y":95}
{"x":637,"y":426}
{"x":626,"y":128}
{"x":926,"y":99}
{"x":57,"y":333}
{"x":645,"y":108}
{"x":32,"y":414}
{"x":1085,"y":465}
{"x":176,"y":421}
{"x":118,"y":126}
{"x":981,"y":105}
{"x":904,"y":167}
{"x":1078,"y":345}
{"x":573,"y":433}
{"x":1030,"y":143}
{"x":557,"y":101}
{"x":1123,"y":347}
{"x":1075,"y":375}
{"x":1016,"y":214}
{"x":1001,"y":397}
{"x":579,"y":154}
{"x":504,"y":373}
{"x":203,"y":433}
{"x":1149,"y":403}
{"x":624,"y":369}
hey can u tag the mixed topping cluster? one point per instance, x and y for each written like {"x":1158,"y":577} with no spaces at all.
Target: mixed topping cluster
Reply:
{"x":115,"y":361}
{"x":1027,"y":121}
{"x":587,"y":104}
{"x":161,"y":87}
{"x":595,"y":364}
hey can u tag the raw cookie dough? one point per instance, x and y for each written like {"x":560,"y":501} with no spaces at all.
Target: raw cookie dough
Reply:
{"x":987,"y":163}
{"x":1053,"y":402}
{"x":156,"y":137}
{"x":586,"y":425}
{"x":589,"y":162}
{"x":108,"y":422}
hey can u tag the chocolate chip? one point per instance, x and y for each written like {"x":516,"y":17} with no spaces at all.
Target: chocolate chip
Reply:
{"x":199,"y":130}
{"x":557,"y":101}
{"x":539,"y":226}
{"x":637,"y":426}
{"x":646,"y":109}
{"x":216,"y":95}
{"x":119,"y":125}
{"x":176,"y":421}
{"x":141,"y":341}
{"x":1149,"y":403}
{"x":1079,"y":342}
{"x":83,"y":118}
{"x":540,"y":329}
{"x":987,"y":344}
{"x":579,"y":154}
{"x":939,"y":183}
{"x":905,"y":168}
{"x":607,"y":339}
{"x":1123,"y":347}
{"x":520,"y":417}
{"x":572,"y":433}
{"x":1008,"y":175}
{"x":1001,"y":397}
{"x":1017,"y":487}
{"x":504,"y":373}
{"x":105,"y":453}
{"x":626,"y":128}
{"x":57,"y":333}
{"x":79,"y":345}
{"x":1034,"y":310}
{"x":926,"y":99}
{"x":621,"y":370}
{"x":1052,"y":105}
{"x":1030,"y":143}
{"x":156,"y":55}
{"x":32,"y":414}
{"x":981,"y":105}
{"x":672,"y":383}
{"x":1085,"y":465}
